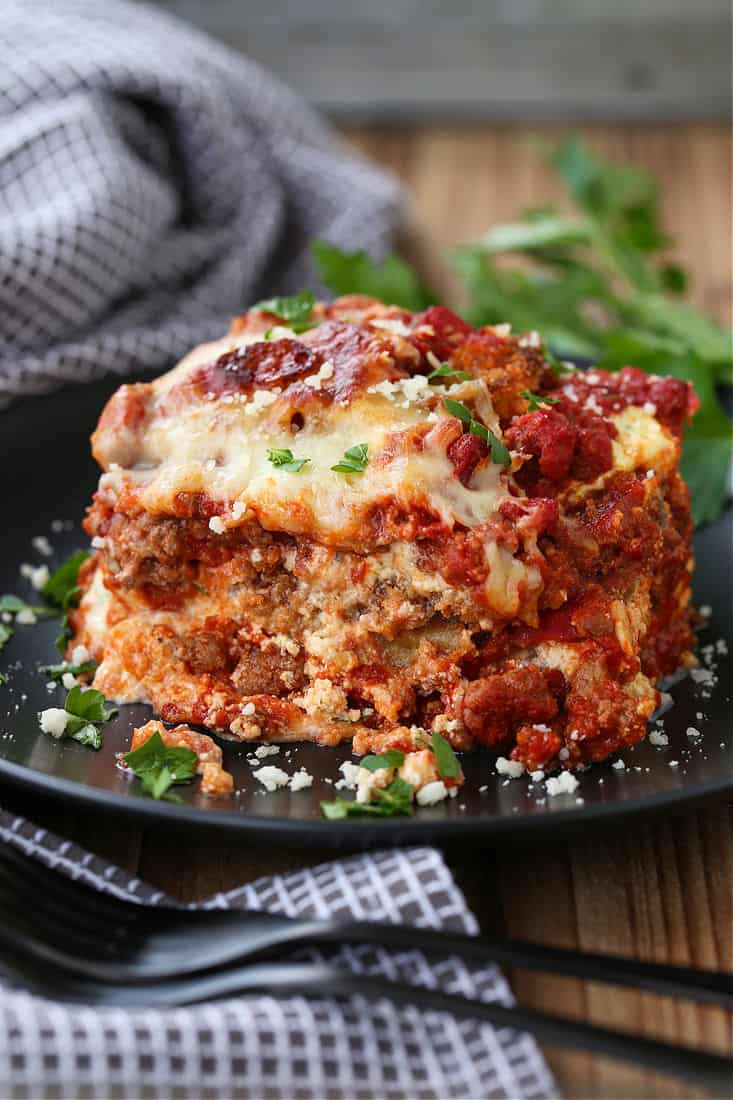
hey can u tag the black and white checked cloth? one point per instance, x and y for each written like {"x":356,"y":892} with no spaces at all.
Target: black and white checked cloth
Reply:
{"x":152,"y":185}
{"x":289,"y":1048}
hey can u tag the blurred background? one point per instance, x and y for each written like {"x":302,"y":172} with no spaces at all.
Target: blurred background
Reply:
{"x":453,"y":96}
{"x":423,"y":60}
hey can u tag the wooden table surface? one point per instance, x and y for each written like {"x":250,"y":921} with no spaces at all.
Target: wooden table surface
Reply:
{"x":661,"y":890}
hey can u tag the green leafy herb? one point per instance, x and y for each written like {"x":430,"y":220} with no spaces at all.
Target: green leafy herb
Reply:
{"x":457,"y":408}
{"x":284,"y":460}
{"x":354,"y":460}
{"x":536,"y":401}
{"x":85,"y":709}
{"x":445,"y":758}
{"x":61,"y":585}
{"x":392,"y":801}
{"x":159,"y":767}
{"x":445,"y":370}
{"x":11,"y":605}
{"x":56,"y":672}
{"x":390,"y":758}
{"x":295,"y":310}
{"x":62,"y":590}
{"x":499,"y":453}
{"x":392,"y":281}
{"x":5,"y":634}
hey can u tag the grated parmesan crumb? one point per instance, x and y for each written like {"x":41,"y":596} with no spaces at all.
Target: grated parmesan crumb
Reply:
{"x":619,"y":765}
{"x":26,"y":617}
{"x":217,"y":525}
{"x":511,"y":768}
{"x":432,"y":793}
{"x":54,"y":721}
{"x":658,"y":739}
{"x":300,"y":780}
{"x":271,"y":778}
{"x":564,"y":783}
{"x":42,"y":545}
{"x":266,"y":750}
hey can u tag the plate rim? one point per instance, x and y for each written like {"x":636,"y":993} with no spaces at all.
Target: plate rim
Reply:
{"x":412,"y":830}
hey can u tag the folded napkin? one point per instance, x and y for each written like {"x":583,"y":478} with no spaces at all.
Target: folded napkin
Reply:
{"x":152,"y":184}
{"x":259,"y":1046}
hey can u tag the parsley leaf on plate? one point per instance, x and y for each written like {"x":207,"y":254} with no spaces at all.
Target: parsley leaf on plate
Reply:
{"x":283,"y":458}
{"x":392,"y":281}
{"x":11,"y":605}
{"x":85,"y":710}
{"x":159,"y":767}
{"x":354,"y":461}
{"x":62,"y":590}
{"x":536,"y":401}
{"x":392,"y":801}
{"x":56,"y":672}
{"x":390,"y":758}
{"x":5,"y":634}
{"x":445,"y":757}
{"x":295,"y":310}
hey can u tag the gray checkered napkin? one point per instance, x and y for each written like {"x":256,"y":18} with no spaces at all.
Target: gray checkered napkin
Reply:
{"x":279,"y":1047}
{"x":152,"y":184}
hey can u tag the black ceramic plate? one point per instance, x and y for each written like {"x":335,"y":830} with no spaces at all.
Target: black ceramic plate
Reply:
{"x":49,"y":475}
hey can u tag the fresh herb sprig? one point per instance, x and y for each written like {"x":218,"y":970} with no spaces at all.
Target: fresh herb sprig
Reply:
{"x":499,"y":453}
{"x":63,"y":591}
{"x":85,"y":710}
{"x":57,"y":672}
{"x":158,"y":767}
{"x":445,"y":758}
{"x":354,"y":461}
{"x":295,"y":310}
{"x":393,"y":281}
{"x":395,"y":800}
{"x":283,"y":459}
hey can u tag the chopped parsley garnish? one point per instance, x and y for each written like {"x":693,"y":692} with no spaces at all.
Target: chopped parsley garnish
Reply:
{"x":392,"y":801}
{"x":390,"y":758}
{"x":62,"y":590}
{"x":445,"y":758}
{"x":354,"y":460}
{"x":56,"y":672}
{"x":11,"y":605}
{"x":283,"y":458}
{"x":85,"y":710}
{"x":499,"y":454}
{"x":536,"y":401}
{"x":159,"y":767}
{"x":295,"y":310}
{"x":446,"y":371}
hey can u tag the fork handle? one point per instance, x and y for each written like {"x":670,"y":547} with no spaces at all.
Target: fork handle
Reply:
{"x":320,"y":978}
{"x":266,"y":935}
